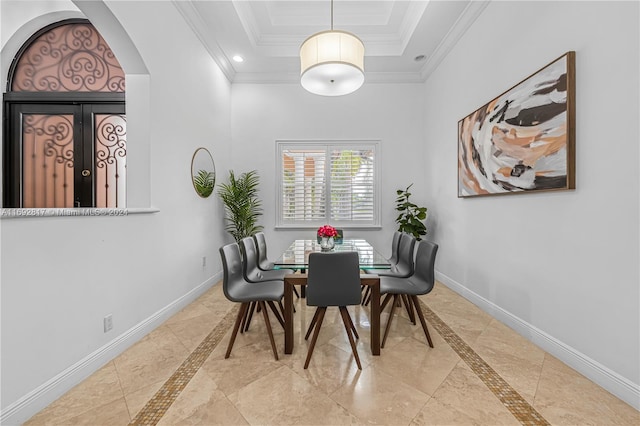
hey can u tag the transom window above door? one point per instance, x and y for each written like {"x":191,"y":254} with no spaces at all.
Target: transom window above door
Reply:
{"x":65,"y":122}
{"x":328,"y":182}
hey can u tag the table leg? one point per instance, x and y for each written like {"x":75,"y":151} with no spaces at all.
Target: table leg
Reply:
{"x":375,"y":319}
{"x":288,"y":317}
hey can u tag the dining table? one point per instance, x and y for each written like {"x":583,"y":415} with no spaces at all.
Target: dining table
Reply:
{"x":296,"y":256}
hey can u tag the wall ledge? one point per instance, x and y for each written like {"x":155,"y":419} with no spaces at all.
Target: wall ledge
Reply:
{"x":71,"y":212}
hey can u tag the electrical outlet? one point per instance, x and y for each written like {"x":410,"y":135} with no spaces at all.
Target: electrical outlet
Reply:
{"x":108,"y":323}
{"x":204,"y":261}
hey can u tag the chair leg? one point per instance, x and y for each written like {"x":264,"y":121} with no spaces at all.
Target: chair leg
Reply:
{"x":348,"y":323}
{"x":269,"y":331}
{"x":366,"y":296}
{"x":387,"y":297}
{"x":282,"y":307}
{"x":388,"y":327}
{"x":241,"y":312}
{"x":422,"y":321}
{"x":312,"y":324}
{"x":276,"y":313}
{"x":409,"y":307}
{"x":295,"y":291}
{"x":352,"y":325}
{"x":248,"y":316}
{"x":316,"y":331}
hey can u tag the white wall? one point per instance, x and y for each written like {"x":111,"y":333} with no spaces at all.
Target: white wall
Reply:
{"x":61,"y":276}
{"x":560,"y":265}
{"x":392,"y":114}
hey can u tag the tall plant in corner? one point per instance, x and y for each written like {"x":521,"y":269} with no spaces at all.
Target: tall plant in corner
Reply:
{"x":410,"y":219}
{"x":242,"y":205}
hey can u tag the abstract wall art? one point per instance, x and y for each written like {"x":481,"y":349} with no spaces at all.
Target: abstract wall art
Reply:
{"x":523,"y":140}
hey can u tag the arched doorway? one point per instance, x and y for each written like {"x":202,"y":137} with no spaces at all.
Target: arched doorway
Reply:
{"x":65,"y":127}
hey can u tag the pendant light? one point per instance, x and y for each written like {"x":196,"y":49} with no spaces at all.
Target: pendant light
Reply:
{"x":332,"y":62}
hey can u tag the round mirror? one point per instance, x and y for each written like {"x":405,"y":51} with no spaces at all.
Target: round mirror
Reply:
{"x":203,"y":172}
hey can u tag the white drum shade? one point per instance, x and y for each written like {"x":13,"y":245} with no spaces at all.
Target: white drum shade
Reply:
{"x":332,"y":63}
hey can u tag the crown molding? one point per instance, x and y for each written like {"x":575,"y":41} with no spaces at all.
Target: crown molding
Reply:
{"x":462,"y":24}
{"x":248,"y":21}
{"x":194,"y":20}
{"x":281,"y":45}
{"x":410,"y":22}
{"x":288,"y":45}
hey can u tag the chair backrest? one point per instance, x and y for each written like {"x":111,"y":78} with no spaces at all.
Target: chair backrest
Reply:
{"x":261,"y":244}
{"x":405,"y":266}
{"x":394,"y":248}
{"x":250,"y":268}
{"x":333,"y":279}
{"x":424,"y":278}
{"x":233,"y":279}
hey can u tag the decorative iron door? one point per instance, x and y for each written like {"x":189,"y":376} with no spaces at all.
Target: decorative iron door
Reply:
{"x":65,"y":155}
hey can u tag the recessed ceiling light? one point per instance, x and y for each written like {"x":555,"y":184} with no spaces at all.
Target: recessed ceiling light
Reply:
{"x":238,"y":58}
{"x":419,"y":58}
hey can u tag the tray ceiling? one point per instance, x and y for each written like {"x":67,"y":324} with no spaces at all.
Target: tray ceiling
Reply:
{"x":268,"y":34}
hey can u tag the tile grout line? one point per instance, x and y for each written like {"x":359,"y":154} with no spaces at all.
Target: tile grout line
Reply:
{"x":158,"y":405}
{"x":510,"y":398}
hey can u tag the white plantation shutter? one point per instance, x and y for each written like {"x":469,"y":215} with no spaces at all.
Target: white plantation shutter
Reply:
{"x":303,"y":185}
{"x":327,"y":183}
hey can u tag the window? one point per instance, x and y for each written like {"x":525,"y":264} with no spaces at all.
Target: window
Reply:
{"x":65,"y":123}
{"x":328,"y":182}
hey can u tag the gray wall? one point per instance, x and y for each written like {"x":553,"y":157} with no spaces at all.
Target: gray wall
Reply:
{"x":390,"y":113}
{"x":561,"y":267}
{"x":62,"y":275}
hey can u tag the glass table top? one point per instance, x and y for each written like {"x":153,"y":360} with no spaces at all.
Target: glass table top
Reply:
{"x":297,"y":255}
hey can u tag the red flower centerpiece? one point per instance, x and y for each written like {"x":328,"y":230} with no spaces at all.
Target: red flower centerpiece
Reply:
{"x":327,"y":231}
{"x":326,"y":234}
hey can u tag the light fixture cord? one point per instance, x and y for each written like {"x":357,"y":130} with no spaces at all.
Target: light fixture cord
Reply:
{"x":331,"y":15}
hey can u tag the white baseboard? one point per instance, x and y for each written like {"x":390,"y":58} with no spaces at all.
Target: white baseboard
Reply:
{"x":33,"y":402}
{"x":619,"y":386}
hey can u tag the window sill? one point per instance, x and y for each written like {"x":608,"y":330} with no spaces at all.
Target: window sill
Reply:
{"x":72,"y":212}
{"x":315,"y":227}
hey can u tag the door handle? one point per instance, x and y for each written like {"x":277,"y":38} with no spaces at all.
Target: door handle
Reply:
{"x":86,"y":172}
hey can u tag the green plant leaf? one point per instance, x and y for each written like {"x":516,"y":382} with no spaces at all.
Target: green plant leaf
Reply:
{"x":204,"y":182}
{"x":242,"y":205}
{"x":411,"y":215}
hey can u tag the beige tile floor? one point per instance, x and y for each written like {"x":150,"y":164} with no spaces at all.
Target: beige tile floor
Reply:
{"x":409,"y":384}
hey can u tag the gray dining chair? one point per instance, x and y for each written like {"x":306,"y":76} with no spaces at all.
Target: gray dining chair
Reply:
{"x":251,"y":271}
{"x":253,"y":274}
{"x":404,"y":265}
{"x":333,"y":280}
{"x":261,"y":243}
{"x":393,"y":261}
{"x":403,"y":268}
{"x":237,"y":289}
{"x":395,"y":242}
{"x":420,"y":283}
{"x":264,"y":264}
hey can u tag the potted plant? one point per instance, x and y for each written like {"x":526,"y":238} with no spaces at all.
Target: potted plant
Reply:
{"x":411,"y":215}
{"x":242,"y":205}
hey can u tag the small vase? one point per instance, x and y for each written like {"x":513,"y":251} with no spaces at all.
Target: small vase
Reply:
{"x":327,"y":243}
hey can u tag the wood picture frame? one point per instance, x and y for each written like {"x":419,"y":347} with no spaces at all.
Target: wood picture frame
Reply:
{"x":524,"y":139}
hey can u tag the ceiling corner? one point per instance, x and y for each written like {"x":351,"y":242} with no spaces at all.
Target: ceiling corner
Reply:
{"x":455,"y":33}
{"x":193,"y":18}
